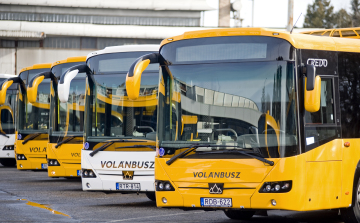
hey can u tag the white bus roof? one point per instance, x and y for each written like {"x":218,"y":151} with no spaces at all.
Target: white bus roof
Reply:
{"x":7,"y":75}
{"x":124,"y":48}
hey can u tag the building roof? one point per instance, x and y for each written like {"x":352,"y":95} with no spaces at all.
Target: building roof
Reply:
{"x":190,"y":5}
{"x":125,"y":48}
{"x":299,"y":41}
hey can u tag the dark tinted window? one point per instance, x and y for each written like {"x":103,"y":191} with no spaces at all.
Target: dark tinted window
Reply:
{"x":116,"y":62}
{"x":58,"y":70}
{"x":226,"y":49}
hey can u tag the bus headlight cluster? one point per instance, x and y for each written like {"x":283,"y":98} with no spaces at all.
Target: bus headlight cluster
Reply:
{"x":88,"y":174}
{"x":8,"y":148}
{"x":20,"y":157}
{"x":53,"y":162}
{"x":163,"y":186}
{"x":276,"y":187}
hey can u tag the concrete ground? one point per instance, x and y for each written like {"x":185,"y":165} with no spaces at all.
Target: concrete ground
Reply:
{"x":27,"y":196}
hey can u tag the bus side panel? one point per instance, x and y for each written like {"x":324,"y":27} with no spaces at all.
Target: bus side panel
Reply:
{"x":351,"y":157}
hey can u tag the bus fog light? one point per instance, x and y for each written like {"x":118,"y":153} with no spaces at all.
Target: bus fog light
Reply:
{"x":88,"y":185}
{"x":164,"y":200}
{"x":273,"y":202}
{"x":53,"y":172}
{"x":21,"y":166}
{"x":277,"y":187}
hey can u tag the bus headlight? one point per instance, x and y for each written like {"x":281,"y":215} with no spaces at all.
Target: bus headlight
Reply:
{"x":88,"y":174}
{"x":53,"y":162}
{"x":163,"y":186}
{"x":276,"y":187}
{"x":8,"y":148}
{"x":20,"y":157}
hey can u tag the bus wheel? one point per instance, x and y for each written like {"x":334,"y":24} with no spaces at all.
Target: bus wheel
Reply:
{"x":151,"y":196}
{"x":8,"y":162}
{"x":352,"y":214}
{"x":239,"y":215}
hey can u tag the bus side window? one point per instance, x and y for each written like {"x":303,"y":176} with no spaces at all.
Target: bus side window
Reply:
{"x":315,"y":130}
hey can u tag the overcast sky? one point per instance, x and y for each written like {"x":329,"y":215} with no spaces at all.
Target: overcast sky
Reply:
{"x":269,"y":13}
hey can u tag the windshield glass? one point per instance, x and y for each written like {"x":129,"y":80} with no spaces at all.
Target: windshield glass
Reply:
{"x":34,"y":116}
{"x":7,"y":110}
{"x":67,"y":119}
{"x":111,"y":113}
{"x":247,"y":104}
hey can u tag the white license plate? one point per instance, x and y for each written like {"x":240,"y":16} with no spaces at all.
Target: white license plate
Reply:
{"x":215,"y":202}
{"x":130,"y":186}
{"x":44,"y":166}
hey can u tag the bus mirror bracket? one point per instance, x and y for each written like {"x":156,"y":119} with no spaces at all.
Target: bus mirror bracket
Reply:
{"x":133,"y":77}
{"x":312,"y":89}
{"x":66,"y":78}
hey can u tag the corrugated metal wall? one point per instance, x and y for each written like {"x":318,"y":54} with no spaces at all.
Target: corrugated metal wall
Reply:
{"x":75,"y":42}
{"x":104,"y":20}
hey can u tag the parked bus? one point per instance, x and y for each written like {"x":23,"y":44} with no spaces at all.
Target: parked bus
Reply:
{"x":7,"y":124}
{"x":66,"y":119}
{"x":119,"y":148}
{"x":32,"y":119}
{"x":276,"y":121}
{"x":353,"y":33}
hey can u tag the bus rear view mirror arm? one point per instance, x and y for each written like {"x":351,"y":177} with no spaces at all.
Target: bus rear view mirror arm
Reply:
{"x":312,"y":89}
{"x":34,"y":83}
{"x":5,"y":85}
{"x":133,"y":77}
{"x":66,"y":78}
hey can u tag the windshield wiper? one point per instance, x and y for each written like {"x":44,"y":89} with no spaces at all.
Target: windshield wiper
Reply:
{"x":195,"y":146}
{"x":31,"y":138}
{"x":109,"y":143}
{"x":137,"y":146}
{"x":4,"y":135}
{"x":64,"y":141}
{"x":271,"y":163}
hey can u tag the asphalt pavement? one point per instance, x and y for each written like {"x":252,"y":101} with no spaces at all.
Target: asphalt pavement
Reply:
{"x":31,"y":196}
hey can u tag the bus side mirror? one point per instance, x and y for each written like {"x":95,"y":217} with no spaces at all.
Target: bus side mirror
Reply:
{"x":66,"y":78}
{"x":64,"y":85}
{"x":34,"y":83}
{"x":3,"y":88}
{"x":312,"y":90}
{"x":133,"y":77}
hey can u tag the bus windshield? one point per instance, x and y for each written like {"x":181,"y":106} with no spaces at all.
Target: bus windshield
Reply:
{"x":111,"y":113}
{"x":248,"y":103}
{"x":34,"y":116}
{"x":68,"y":118}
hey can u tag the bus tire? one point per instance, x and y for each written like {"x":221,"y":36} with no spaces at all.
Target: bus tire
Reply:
{"x":239,"y":215}
{"x":8,"y":162}
{"x":151,"y":196}
{"x":352,"y":214}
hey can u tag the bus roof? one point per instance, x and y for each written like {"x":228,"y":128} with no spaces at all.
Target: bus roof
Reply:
{"x":299,"y":41}
{"x":69,"y":60}
{"x":36,"y":66}
{"x":124,"y":48}
{"x":353,"y":32}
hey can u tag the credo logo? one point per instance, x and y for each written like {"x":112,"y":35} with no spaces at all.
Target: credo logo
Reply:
{"x":317,"y":62}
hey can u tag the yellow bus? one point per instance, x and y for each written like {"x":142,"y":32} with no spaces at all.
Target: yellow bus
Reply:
{"x":32,"y":119}
{"x":273,"y":121}
{"x":353,"y":32}
{"x":66,"y":119}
